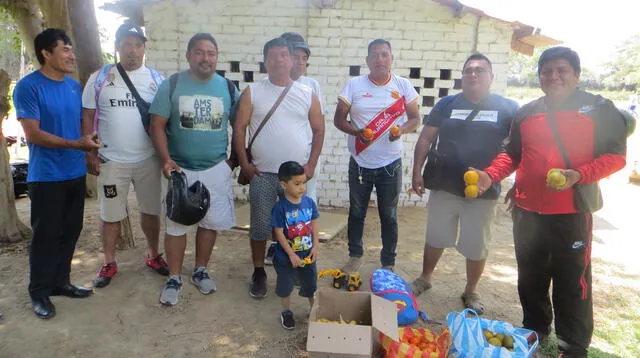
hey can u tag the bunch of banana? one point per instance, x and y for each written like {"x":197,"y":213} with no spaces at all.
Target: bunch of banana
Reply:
{"x":341,"y":321}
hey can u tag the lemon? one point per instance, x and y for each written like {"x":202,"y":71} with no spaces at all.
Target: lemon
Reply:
{"x":555,"y":178}
{"x":508,"y":342}
{"x":500,"y":337}
{"x":471,"y":177}
{"x":494,"y":342}
{"x":487,"y":334}
{"x":471,"y":191}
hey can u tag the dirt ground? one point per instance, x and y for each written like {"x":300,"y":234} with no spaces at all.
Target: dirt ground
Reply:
{"x":126,"y":320}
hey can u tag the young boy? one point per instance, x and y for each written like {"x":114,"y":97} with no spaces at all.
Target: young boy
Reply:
{"x":294,"y":223}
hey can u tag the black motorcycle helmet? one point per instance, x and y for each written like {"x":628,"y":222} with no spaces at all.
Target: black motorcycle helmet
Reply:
{"x":629,"y":120}
{"x":186,"y":205}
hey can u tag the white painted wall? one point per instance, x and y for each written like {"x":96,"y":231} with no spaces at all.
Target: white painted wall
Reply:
{"x":423,"y":35}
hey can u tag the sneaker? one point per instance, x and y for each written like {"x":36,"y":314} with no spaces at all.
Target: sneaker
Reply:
{"x":271,"y":252}
{"x":158,"y":264}
{"x":171,"y":291}
{"x":353,"y":265}
{"x":104,"y":275}
{"x":258,"y":284}
{"x":201,"y":279}
{"x":286,"y":318}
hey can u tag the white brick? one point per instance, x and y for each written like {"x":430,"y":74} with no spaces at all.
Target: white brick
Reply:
{"x":321,"y":21}
{"x":445,"y":46}
{"x":386,"y":5}
{"x":352,"y":14}
{"x":231,"y":29}
{"x":361,"y":5}
{"x":257,"y":30}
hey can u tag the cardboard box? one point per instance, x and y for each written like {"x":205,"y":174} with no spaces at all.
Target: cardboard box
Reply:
{"x":373,"y":314}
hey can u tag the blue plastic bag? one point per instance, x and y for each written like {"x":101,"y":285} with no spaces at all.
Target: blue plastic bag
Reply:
{"x":468,"y":339}
{"x":394,"y":288}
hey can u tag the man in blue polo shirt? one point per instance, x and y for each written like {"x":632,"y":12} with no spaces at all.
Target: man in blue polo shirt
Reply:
{"x":48,"y":105}
{"x":468,"y":129}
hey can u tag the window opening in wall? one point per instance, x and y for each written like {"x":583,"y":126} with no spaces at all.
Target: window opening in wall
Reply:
{"x":248,"y":76}
{"x":235,"y":66}
{"x":429,"y":82}
{"x":262,"y":68}
{"x":428,"y":101}
{"x":443,"y":92}
{"x":236,"y":83}
{"x":221,"y":72}
{"x":354,"y":70}
{"x":414,"y":72}
{"x":457,"y":84}
{"x":417,"y":89}
{"x":445,"y":74}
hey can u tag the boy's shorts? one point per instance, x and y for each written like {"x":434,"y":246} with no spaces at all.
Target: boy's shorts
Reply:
{"x":286,"y":273}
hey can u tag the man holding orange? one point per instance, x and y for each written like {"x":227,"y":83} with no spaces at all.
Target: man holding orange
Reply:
{"x":467,"y":129}
{"x":376,"y":103}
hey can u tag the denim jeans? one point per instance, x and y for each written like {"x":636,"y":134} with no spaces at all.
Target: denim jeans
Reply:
{"x":388,"y":182}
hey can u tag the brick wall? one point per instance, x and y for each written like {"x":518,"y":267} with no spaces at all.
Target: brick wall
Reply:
{"x":429,"y":46}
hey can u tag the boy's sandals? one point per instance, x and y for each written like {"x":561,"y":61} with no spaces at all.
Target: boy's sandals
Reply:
{"x":472,"y":300}
{"x":419,"y":286}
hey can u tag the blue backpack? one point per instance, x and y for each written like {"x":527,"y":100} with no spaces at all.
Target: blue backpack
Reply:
{"x":394,"y":288}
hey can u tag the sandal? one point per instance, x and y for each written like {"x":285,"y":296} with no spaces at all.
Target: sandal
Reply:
{"x":419,"y":286}
{"x":472,"y":300}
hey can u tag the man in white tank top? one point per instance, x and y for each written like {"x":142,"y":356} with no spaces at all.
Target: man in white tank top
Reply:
{"x":382,"y":107}
{"x":284,"y":137}
{"x":300,"y":63}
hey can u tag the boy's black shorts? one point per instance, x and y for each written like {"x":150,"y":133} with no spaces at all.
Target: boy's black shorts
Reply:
{"x":307,"y":274}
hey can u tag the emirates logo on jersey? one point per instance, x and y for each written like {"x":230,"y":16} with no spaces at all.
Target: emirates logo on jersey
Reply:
{"x":395,"y":94}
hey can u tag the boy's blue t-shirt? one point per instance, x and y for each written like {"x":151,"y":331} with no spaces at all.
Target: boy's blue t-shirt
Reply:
{"x":295,"y":221}
{"x":58,"y":107}
{"x":199,"y":115}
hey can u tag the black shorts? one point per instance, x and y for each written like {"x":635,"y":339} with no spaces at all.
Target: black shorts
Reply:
{"x":307,"y":274}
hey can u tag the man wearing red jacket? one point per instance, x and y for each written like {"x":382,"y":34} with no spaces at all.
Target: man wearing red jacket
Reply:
{"x":584,"y":136}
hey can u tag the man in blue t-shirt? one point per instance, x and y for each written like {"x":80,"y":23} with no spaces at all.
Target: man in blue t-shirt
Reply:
{"x":48,"y":105}
{"x":192,"y":113}
{"x":294,"y":223}
{"x":468,"y":129}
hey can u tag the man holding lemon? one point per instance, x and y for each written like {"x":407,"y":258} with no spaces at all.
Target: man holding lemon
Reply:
{"x":467,"y":129}
{"x":560,"y":146}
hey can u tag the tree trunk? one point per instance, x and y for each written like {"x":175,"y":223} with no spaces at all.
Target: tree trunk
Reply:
{"x":27,"y":16}
{"x":11,"y":228}
{"x":86,"y":37}
{"x":55,"y":14}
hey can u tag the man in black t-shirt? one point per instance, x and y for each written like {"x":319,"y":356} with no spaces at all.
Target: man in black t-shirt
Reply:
{"x":469,"y":128}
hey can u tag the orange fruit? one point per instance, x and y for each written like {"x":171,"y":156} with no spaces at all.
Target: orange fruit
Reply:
{"x":367,"y":133}
{"x":471,"y":177}
{"x":471,"y":191}
{"x":422,"y":346}
{"x":395,"y":130}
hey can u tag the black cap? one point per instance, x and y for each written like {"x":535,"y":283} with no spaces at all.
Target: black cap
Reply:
{"x":296,"y":41}
{"x":127,"y":29}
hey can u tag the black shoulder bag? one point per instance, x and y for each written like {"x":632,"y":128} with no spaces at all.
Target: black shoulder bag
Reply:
{"x":143,"y":106}
{"x":442,"y":168}
{"x":586,"y":197}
